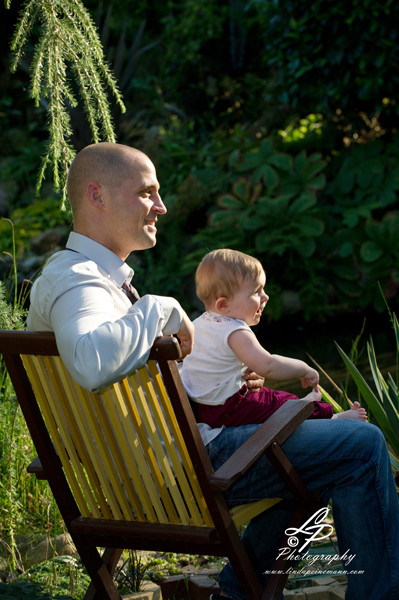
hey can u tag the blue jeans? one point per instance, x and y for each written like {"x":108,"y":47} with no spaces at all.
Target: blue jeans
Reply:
{"x":347,"y":459}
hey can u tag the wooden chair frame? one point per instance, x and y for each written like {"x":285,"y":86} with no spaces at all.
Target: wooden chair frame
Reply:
{"x":219,"y":537}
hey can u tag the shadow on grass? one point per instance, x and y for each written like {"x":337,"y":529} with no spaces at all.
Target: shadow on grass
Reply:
{"x":27,"y":591}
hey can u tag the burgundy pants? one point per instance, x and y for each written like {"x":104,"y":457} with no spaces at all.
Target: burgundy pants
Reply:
{"x":244,"y":408}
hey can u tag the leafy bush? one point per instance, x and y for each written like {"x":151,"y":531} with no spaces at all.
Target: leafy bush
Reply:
{"x":332,"y":55}
{"x":362,"y":225}
{"x":30,"y":221}
{"x":272,"y":212}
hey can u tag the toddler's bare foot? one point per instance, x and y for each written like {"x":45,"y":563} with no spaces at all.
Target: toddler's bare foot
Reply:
{"x":313,"y":396}
{"x":355,"y":412}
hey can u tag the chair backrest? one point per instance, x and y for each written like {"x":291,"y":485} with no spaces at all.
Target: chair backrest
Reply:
{"x":122,"y":450}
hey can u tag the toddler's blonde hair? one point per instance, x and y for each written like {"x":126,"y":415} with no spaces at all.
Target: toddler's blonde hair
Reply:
{"x":222,"y":272}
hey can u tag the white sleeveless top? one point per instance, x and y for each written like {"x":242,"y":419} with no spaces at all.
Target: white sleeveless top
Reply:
{"x":212,"y":372}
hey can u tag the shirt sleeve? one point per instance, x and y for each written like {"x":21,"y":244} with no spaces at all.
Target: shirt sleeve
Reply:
{"x":97,"y":343}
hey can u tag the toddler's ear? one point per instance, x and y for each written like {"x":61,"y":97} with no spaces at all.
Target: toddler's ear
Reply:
{"x":221,"y":304}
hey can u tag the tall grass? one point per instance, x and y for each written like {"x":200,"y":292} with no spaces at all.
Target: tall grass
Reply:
{"x":25,"y":502}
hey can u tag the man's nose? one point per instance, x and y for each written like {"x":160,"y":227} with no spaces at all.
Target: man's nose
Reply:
{"x":159,"y":206}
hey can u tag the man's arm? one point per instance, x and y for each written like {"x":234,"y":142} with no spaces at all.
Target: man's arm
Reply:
{"x":100,"y":338}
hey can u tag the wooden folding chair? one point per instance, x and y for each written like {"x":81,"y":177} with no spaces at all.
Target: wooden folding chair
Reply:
{"x":128,"y":468}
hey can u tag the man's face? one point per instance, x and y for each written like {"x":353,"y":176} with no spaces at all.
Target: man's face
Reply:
{"x":132,"y":210}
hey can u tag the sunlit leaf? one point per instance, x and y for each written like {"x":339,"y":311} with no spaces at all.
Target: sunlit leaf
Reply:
{"x":369,"y":397}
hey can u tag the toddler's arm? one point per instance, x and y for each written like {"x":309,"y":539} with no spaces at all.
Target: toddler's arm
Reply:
{"x":272,"y":366}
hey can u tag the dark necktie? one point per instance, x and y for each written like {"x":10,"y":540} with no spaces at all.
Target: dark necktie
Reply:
{"x":130,"y":292}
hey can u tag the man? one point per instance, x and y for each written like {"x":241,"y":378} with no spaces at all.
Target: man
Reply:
{"x":101,"y":336}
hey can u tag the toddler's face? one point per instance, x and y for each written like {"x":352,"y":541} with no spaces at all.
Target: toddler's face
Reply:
{"x":248,"y":303}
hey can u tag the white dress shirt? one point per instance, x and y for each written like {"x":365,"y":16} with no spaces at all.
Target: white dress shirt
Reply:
{"x":100,"y":335}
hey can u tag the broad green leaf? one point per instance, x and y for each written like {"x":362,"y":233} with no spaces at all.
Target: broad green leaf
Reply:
{"x":229,"y":201}
{"x":350,"y":218}
{"x":317,"y":183}
{"x":223,"y":218}
{"x":346,"y":249}
{"x":311,"y":226}
{"x":282,"y":161}
{"x":301,"y":204}
{"x":308,"y":246}
{"x":371,"y":252}
{"x":315,"y":168}
{"x":269,"y":175}
{"x":345,"y":271}
{"x":345,"y":181}
{"x":387,"y":197}
{"x":265,"y":148}
{"x":349,"y":288}
{"x":250,"y":223}
{"x":241,"y":188}
{"x":301,"y":163}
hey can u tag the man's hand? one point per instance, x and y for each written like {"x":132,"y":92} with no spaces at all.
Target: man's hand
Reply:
{"x":254,"y":381}
{"x":310,"y":379}
{"x":186,"y":335}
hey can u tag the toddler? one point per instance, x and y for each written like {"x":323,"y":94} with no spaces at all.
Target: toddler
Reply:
{"x":231,"y":286}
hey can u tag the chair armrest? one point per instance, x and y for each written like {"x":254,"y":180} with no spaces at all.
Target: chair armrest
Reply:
{"x":165,"y":347}
{"x":276,"y":429}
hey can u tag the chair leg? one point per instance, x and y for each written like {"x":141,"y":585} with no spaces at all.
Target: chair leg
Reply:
{"x":100,"y":570}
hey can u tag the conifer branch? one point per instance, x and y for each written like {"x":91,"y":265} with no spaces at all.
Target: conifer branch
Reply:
{"x":68,"y":50}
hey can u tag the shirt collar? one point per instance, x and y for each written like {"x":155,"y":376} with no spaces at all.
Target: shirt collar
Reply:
{"x":104,"y":258}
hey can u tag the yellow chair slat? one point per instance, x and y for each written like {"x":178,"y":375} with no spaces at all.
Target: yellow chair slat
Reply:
{"x":179,"y":441}
{"x":169,"y":459}
{"x":182,"y":494}
{"x":101,"y":446}
{"x":176,"y":512}
{"x":34,"y":367}
{"x":62,"y":383}
{"x":136,"y":465}
{"x":245,"y":512}
{"x":145,"y":453}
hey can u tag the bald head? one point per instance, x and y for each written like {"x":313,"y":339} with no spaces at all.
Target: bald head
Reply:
{"x":104,"y":163}
{"x":114,"y":194}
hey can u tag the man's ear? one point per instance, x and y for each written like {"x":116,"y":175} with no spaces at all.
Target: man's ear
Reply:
{"x":94,"y":194}
{"x":222,"y":304}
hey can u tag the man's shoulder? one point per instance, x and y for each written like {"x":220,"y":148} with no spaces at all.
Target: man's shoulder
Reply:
{"x":69,"y":263}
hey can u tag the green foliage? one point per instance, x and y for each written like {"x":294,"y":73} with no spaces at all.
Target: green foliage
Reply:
{"x":362,"y":224}
{"x":383,"y":403}
{"x":67,"y":39}
{"x":272,"y":212}
{"x":30,"y":221}
{"x":329,"y":56}
{"x":20,"y":590}
{"x":61,"y":578}
{"x":131,"y":574}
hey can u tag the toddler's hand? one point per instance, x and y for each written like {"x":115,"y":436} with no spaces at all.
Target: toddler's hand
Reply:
{"x":310,"y":379}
